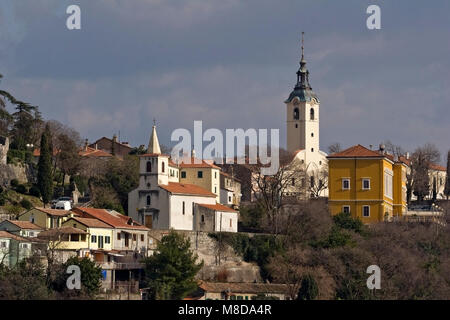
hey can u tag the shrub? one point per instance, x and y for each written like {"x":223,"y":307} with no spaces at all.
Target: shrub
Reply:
{"x":14,"y":183}
{"x":346,"y":221}
{"x":34,"y":191}
{"x":2,"y":200}
{"x":26,"y":204}
{"x":1,"y":189}
{"x":21,"y":189}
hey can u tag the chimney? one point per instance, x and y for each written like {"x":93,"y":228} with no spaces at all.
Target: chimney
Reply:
{"x":96,"y":147}
{"x":114,"y":138}
{"x":407,"y":156}
{"x":382,"y":147}
{"x":86,"y":144}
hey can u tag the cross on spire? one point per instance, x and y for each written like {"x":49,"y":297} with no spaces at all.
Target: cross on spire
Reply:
{"x":154,"y":121}
{"x":303,"y":43}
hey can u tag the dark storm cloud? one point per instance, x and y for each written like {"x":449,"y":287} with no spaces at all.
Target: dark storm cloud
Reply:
{"x":231,"y":64}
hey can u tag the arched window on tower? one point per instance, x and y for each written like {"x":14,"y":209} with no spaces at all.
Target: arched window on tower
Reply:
{"x":149,"y":200}
{"x":163,"y":166}
{"x":296,"y":114}
{"x":149,"y":166}
{"x":311,"y":114}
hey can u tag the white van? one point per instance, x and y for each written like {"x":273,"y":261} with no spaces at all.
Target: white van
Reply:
{"x":63,"y":205}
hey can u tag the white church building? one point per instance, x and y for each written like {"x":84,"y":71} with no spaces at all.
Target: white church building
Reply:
{"x":162,"y":202}
{"x":303,"y":130}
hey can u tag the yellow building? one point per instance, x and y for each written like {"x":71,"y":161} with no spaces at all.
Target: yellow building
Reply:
{"x":369,"y":184}
{"x":202,"y":174}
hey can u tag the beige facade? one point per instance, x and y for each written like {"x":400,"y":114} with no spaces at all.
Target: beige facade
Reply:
{"x":203,"y":175}
{"x":46,"y":218}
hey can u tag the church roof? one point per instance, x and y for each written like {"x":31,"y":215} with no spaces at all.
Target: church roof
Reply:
{"x":189,"y":189}
{"x":217,"y":207}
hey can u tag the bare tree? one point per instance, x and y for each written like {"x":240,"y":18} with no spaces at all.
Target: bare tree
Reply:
{"x":318,"y":181}
{"x":394,"y":149}
{"x":447,"y":177}
{"x":421,"y":160}
{"x":334,"y":148}
{"x":271,"y":192}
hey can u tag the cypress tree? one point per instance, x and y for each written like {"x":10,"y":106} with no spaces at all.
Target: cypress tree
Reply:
{"x":45,"y":176}
{"x":447,"y":178}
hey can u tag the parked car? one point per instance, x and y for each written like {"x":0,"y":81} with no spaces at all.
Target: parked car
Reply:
{"x":66,"y":199}
{"x":63,"y":205}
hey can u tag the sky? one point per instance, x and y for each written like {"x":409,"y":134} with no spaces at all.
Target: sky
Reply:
{"x":231,"y":64}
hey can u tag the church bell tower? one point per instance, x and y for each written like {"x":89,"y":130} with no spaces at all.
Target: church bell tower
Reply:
{"x":302,"y":116}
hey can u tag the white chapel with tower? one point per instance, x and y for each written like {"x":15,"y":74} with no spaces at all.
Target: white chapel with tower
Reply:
{"x":302,"y":123}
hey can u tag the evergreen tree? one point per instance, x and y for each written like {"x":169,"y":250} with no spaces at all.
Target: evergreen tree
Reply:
{"x":170,"y":272}
{"x":447,"y":178}
{"x":308,"y":289}
{"x":45,"y":176}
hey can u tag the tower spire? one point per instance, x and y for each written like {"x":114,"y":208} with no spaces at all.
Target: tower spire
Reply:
{"x":153,"y":144}
{"x":303,"y":45}
{"x":302,"y":73}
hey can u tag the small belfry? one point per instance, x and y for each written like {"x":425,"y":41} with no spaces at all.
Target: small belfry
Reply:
{"x":153,"y":144}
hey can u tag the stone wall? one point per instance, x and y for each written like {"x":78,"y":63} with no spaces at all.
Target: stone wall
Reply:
{"x":4,"y":147}
{"x":216,"y":259}
{"x":23,"y":173}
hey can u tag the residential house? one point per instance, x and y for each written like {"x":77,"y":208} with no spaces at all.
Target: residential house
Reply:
{"x":46,"y":218}
{"x":66,"y":241}
{"x":369,"y":184}
{"x":14,"y":248}
{"x":21,"y":228}
{"x":230,"y":190}
{"x":201,"y":173}
{"x":121,"y":262}
{"x":240,"y":291}
{"x":120,"y":149}
{"x":100,"y":233}
{"x":438,"y":175}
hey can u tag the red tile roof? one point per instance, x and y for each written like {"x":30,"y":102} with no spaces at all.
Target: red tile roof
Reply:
{"x":106,"y":217}
{"x":90,"y":222}
{"x":217,"y":207}
{"x":54,"y":212}
{"x":37,"y":152}
{"x":357,"y":151}
{"x":437,"y":167}
{"x":201,"y":164}
{"x":60,"y":231}
{"x":25,"y":225}
{"x":92,"y":152}
{"x":9,"y":235}
{"x":184,"y":188}
{"x":360,"y":151}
